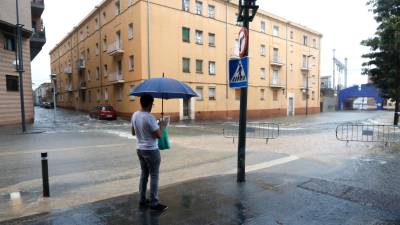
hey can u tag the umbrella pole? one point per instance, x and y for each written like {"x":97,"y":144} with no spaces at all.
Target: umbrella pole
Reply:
{"x":162,"y":104}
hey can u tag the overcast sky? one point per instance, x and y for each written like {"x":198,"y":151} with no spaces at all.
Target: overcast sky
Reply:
{"x":343,"y":23}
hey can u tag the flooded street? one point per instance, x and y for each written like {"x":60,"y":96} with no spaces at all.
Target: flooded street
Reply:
{"x":92,"y":160}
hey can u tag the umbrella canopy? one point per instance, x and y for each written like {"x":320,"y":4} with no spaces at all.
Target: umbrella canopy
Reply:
{"x":165,"y":88}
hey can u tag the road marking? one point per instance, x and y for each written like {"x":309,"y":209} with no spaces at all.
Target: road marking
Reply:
{"x":91,"y":147}
{"x":268,"y":164}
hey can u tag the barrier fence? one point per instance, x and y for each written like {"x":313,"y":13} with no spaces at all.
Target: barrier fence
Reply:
{"x":265,"y":131}
{"x":368,"y":133}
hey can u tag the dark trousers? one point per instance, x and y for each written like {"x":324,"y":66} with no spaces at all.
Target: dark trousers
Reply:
{"x":150,"y":164}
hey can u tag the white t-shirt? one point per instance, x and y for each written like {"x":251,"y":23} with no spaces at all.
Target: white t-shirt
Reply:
{"x":145,"y":124}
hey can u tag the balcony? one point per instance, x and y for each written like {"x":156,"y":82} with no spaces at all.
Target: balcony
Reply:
{"x":68,"y":70}
{"x":37,"y":40}
{"x":276,"y":83}
{"x":82,"y":85}
{"x":37,"y":8}
{"x":115,"y":49}
{"x":275,"y":62}
{"x":305,"y":68}
{"x":68,"y":88}
{"x":81,"y":64}
{"x":116,"y":78}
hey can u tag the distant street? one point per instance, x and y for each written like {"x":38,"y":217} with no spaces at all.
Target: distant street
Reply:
{"x":92,"y":160}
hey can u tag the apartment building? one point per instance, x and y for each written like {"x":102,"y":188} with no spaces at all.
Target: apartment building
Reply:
{"x":33,"y":39}
{"x":123,"y":42}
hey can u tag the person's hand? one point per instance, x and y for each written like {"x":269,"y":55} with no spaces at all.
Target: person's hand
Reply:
{"x":163,"y":123}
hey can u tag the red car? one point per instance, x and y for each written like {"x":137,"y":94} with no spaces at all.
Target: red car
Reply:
{"x":103,"y":112}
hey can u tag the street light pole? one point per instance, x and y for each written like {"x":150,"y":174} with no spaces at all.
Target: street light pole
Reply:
{"x":20,"y":67}
{"x":307,"y":86}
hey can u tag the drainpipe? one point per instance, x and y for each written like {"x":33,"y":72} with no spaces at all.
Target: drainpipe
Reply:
{"x":148,"y":41}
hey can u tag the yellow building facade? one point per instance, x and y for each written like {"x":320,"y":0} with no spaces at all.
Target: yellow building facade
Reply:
{"x":124,"y":42}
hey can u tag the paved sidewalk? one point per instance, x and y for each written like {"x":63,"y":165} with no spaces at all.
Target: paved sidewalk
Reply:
{"x":266,"y":198}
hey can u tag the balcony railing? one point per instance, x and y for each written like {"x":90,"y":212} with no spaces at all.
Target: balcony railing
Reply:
{"x":81,"y":64}
{"x":116,"y":77}
{"x":82,"y":85}
{"x":276,"y":83}
{"x":276,"y":62}
{"x":115,"y":49}
{"x":68,"y":87}
{"x":68,"y":70}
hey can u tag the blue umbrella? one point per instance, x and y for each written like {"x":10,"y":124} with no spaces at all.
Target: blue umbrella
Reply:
{"x":164,"y":88}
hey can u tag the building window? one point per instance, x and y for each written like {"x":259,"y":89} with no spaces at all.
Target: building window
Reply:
{"x":131,"y":63}
{"x":117,"y":7}
{"x":105,"y":43}
{"x":262,"y":50}
{"x":305,"y":40}
{"x":262,"y":73}
{"x":291,"y":34}
{"x":275,"y":95}
{"x":185,"y":5}
{"x":199,"y":91}
{"x":98,"y":95}
{"x":262,"y":26}
{"x":291,"y":67}
{"x":199,"y":37}
{"x":130,"y":31}
{"x":87,"y":53}
{"x":106,"y":95}
{"x":275,"y":55}
{"x":87,"y":30}
{"x":97,"y":49}
{"x":89,"y":96}
{"x":97,"y":73}
{"x":275,"y":76}
{"x":305,"y":62}
{"x":314,"y":41}
{"x":211,"y":39}
{"x":199,"y":7}
{"x":104,"y":17}
{"x":88,"y":75}
{"x":312,"y":95}
{"x":97,"y":23}
{"x":186,"y":65}
{"x":211,"y":11}
{"x":12,"y":83}
{"x":211,"y":68}
{"x":9,"y":43}
{"x":211,"y":94}
{"x":237,"y":94}
{"x":185,"y":34}
{"x":131,"y":97}
{"x":119,"y":93}
{"x":262,"y":94}
{"x":275,"y":31}
{"x":199,"y":66}
{"x":105,"y":70}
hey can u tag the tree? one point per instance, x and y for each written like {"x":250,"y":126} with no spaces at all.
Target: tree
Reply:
{"x":383,"y":65}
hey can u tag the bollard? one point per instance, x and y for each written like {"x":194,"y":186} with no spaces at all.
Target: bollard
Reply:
{"x":45,"y":175}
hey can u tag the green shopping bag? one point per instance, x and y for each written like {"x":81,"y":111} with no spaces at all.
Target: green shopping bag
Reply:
{"x":163,"y":142}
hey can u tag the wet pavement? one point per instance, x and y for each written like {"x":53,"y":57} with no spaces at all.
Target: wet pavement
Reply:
{"x":305,"y":176}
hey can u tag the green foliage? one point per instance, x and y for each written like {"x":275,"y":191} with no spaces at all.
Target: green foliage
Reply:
{"x":383,"y":65}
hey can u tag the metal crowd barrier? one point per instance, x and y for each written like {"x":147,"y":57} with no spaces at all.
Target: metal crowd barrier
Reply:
{"x":368,"y":133}
{"x":265,"y":131}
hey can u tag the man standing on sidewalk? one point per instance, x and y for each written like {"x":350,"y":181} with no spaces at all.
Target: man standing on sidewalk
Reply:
{"x":147,"y":131}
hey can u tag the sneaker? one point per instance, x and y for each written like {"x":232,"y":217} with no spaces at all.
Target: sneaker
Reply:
{"x":159,"y":207}
{"x":144,"y":204}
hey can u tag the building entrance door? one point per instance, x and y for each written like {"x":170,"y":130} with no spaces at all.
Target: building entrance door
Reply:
{"x":290,"y":107}
{"x":186,"y":109}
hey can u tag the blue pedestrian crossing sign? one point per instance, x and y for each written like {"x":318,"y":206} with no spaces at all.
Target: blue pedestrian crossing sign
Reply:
{"x":238,"y":72}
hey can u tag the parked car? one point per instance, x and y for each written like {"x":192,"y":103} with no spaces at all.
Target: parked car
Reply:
{"x":47,"y":105}
{"x":103,"y":112}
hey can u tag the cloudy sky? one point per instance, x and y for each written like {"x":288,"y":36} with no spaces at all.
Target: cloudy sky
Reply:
{"x":343,"y":23}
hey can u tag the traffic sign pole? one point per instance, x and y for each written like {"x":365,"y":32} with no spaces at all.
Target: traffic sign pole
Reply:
{"x":244,"y":15}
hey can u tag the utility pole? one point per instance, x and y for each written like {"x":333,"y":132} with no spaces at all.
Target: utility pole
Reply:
{"x":20,"y":66}
{"x":247,"y":11}
{"x":345,"y":72}
{"x":334,"y":64}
